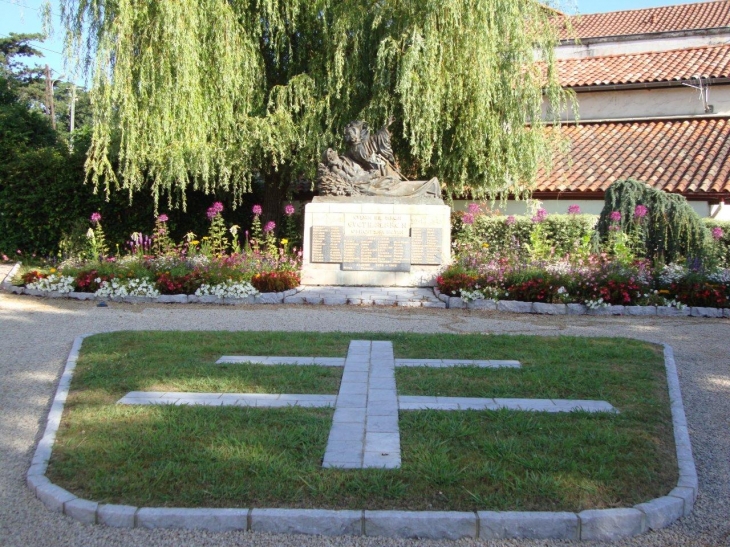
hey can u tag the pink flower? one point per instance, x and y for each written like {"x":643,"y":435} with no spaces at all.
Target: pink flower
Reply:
{"x":474,"y":208}
{"x":510,"y":220}
{"x":270,"y":226}
{"x":288,"y":210}
{"x":5,"y":257}
{"x":717,"y":233}
{"x":162,"y":218}
{"x":467,"y":218}
{"x":540,"y":216}
{"x":640,"y":211}
{"x":574,"y":210}
{"x":615,"y":216}
{"x":256,"y":210}
{"x":214,"y":209}
{"x":95,"y":217}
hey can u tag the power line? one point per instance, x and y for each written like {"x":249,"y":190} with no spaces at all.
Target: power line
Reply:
{"x":16,"y":4}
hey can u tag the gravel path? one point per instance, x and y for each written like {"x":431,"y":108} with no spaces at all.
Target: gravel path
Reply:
{"x":36,"y":336}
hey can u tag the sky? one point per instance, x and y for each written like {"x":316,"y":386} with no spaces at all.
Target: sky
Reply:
{"x":23,"y":16}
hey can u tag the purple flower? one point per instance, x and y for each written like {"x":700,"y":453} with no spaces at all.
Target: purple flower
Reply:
{"x":717,"y":233}
{"x":615,"y":216}
{"x":467,"y":218}
{"x":214,"y":209}
{"x":256,"y":210}
{"x":640,"y":211}
{"x":574,"y":210}
{"x":288,"y":210}
{"x":270,"y":226}
{"x":474,"y":208}
{"x":540,"y":216}
{"x":510,"y":220}
{"x":162,"y":218}
{"x":95,"y":217}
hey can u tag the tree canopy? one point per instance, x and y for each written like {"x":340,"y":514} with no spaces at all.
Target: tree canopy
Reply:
{"x":211,"y":93}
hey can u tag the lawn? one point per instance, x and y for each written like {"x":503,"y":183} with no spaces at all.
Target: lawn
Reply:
{"x":466,"y":460}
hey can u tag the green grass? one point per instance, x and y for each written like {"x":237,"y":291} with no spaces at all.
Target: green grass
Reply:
{"x":473,"y":460}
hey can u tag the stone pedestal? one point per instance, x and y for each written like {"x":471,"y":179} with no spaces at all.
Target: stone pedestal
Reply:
{"x":375,"y":241}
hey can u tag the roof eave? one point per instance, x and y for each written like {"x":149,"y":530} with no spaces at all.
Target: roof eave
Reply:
{"x":712,"y":31}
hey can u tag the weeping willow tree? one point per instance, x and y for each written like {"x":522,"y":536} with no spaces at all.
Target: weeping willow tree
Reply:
{"x":670,"y":230}
{"x":208,"y":94}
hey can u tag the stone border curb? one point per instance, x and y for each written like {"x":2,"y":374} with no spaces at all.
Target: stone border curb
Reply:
{"x":6,"y":285}
{"x":598,"y":524}
{"x":299,"y":296}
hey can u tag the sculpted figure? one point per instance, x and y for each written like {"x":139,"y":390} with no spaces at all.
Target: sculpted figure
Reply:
{"x":368,"y":168}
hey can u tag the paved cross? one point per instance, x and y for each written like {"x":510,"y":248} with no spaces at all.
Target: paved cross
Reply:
{"x":364,"y":429}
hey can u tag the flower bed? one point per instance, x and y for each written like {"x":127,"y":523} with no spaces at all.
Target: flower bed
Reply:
{"x":219,"y":267}
{"x":537,"y":263}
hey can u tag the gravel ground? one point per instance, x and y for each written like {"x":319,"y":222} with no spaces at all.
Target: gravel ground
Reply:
{"x":36,"y":336}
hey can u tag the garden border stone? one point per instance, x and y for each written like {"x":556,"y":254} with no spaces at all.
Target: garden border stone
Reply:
{"x":299,"y":295}
{"x":594,"y":524}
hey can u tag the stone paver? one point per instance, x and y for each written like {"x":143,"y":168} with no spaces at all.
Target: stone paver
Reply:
{"x":263,"y":400}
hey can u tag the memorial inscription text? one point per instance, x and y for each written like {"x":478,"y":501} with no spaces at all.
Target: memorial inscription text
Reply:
{"x":377,"y":242}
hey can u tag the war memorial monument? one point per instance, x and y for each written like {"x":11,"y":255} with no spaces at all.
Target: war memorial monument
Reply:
{"x":369,"y":225}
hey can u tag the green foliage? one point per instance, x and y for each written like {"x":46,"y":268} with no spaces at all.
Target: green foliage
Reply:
{"x":671,"y":230}
{"x":208,"y":93}
{"x":557,"y":235}
{"x":721,"y":247}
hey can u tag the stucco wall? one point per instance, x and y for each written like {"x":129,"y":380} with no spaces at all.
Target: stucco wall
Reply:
{"x":649,"y":103}
{"x":638,"y":46}
{"x":592,"y":207}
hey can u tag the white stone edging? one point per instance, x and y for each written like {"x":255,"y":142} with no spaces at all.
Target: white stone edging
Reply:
{"x":594,"y":524}
{"x":6,"y":283}
{"x":541,"y":308}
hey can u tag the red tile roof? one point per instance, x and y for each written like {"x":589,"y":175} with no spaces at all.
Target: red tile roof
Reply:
{"x":704,"y":15}
{"x":655,"y":66}
{"x":688,"y":156}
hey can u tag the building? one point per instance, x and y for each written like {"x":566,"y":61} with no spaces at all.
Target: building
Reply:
{"x":653,"y":93}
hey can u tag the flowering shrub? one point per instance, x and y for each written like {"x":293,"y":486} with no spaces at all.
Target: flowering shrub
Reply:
{"x":171,"y":283}
{"x":275,"y":281}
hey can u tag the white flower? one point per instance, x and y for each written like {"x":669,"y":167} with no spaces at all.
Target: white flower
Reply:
{"x":57,"y":283}
{"x":229,"y":289}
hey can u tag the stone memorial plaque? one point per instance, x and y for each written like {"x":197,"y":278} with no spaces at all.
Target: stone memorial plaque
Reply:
{"x":375,"y":225}
{"x":389,"y":254}
{"x":327,"y":244}
{"x":426,"y":245}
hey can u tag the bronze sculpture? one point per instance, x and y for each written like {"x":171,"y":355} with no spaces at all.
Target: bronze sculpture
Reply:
{"x":368,"y":168}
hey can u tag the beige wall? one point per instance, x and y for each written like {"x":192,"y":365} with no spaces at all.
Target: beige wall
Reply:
{"x":638,"y":46}
{"x":649,"y":103}
{"x":592,"y":207}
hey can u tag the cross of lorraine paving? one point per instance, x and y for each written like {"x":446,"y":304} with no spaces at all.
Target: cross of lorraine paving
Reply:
{"x":365,"y":430}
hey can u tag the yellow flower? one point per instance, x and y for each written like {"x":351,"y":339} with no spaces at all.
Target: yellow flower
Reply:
{"x":285,"y":242}
{"x":664,"y":291}
{"x":52,"y":270}
{"x":485,"y":245}
{"x":195,"y":242}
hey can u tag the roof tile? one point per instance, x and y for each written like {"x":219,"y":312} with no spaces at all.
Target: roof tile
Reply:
{"x":655,"y":66}
{"x":685,"y":156}
{"x":705,"y":15}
